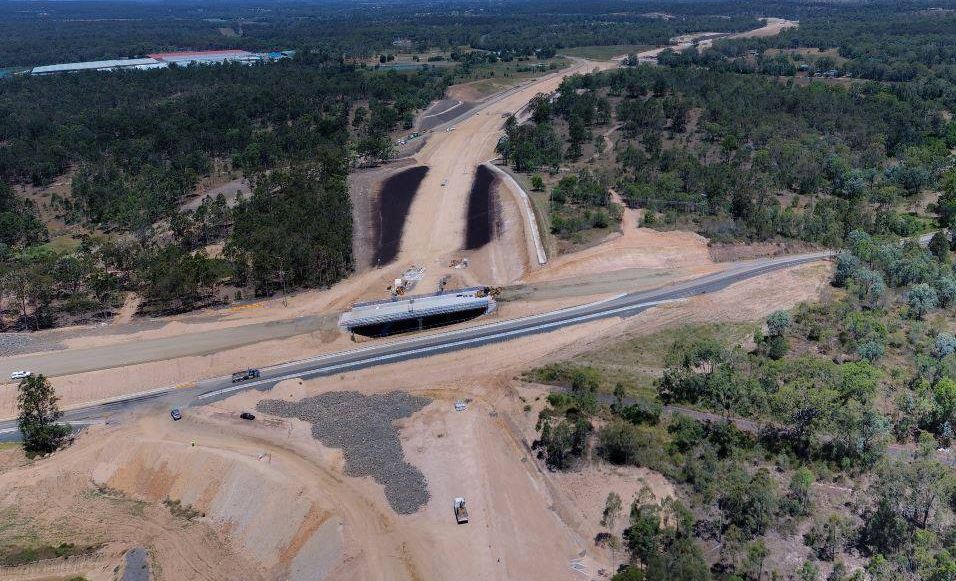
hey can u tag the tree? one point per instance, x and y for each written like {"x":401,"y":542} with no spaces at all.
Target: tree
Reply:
{"x":808,"y":572}
{"x":939,"y":246}
{"x":906,"y":498}
{"x":828,"y":537}
{"x":799,"y":499}
{"x":612,"y":510}
{"x":757,"y":554}
{"x":39,"y":416}
{"x":846,"y":266}
{"x":667,"y":552}
{"x":565,"y":442}
{"x":778,"y":323}
{"x":750,"y":502}
{"x":922,"y":298}
{"x":945,"y":344}
{"x":537,"y":183}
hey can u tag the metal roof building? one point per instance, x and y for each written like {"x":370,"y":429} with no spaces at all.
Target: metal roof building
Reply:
{"x":206,"y":57}
{"x":110,"y":65}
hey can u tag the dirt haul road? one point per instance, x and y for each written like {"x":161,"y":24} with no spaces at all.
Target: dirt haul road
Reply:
{"x":771,"y":27}
{"x":434,"y":231}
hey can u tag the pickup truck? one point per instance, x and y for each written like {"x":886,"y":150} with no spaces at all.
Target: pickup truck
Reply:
{"x":244,"y":375}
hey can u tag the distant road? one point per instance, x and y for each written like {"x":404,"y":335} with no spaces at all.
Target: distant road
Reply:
{"x":624,"y":305}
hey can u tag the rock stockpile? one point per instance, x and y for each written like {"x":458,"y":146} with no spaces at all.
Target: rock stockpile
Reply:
{"x":363,"y":427}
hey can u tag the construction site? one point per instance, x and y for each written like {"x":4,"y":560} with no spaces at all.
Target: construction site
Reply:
{"x":391,"y":467}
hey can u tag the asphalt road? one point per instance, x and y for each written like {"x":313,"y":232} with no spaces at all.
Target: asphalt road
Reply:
{"x":623,"y":305}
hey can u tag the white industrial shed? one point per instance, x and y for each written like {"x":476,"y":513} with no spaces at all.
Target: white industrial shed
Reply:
{"x":110,"y":65}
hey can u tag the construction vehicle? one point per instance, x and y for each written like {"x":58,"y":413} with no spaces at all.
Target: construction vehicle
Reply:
{"x":244,"y":375}
{"x":399,"y":287}
{"x":488,"y":291}
{"x":461,"y":513}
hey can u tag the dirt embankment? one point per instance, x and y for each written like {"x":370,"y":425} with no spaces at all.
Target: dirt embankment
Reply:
{"x":395,"y":197}
{"x":482,"y":214}
{"x":267,"y":515}
{"x":633,"y":248}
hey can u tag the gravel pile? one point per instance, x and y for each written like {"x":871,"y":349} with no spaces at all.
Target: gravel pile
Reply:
{"x":15,"y":344}
{"x":362,"y":426}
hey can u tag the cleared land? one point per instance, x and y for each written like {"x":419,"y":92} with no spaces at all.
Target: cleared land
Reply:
{"x":603,"y":53}
{"x":288,"y":506}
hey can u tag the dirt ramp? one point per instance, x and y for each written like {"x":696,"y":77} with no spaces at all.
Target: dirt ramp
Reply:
{"x":266,"y":514}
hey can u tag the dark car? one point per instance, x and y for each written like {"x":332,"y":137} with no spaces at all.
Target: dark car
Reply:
{"x":176,"y":414}
{"x":247,"y":416}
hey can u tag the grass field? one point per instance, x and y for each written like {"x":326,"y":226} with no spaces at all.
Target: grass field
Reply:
{"x":636,"y":363}
{"x":485,"y":80}
{"x":603,"y":53}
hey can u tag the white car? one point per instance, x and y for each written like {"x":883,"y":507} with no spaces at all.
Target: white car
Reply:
{"x":20,"y":374}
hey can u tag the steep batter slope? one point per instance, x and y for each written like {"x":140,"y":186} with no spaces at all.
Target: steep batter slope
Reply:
{"x":264,"y":514}
{"x":394,"y":199}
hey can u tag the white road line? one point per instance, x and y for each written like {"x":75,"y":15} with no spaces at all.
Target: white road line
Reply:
{"x":508,"y":322}
{"x":442,"y":346}
{"x":455,"y":106}
{"x":337,"y":354}
{"x":464,"y":330}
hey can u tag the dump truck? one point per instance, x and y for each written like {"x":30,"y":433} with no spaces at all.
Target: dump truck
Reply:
{"x":244,"y":375}
{"x":461,"y":513}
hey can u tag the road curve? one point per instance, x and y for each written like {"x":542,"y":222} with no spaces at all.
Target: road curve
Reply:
{"x":623,"y":305}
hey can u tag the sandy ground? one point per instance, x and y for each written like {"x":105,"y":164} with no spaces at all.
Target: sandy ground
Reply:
{"x":633,"y":247}
{"x":277,"y":505}
{"x":54,"y":500}
{"x":434,"y":232}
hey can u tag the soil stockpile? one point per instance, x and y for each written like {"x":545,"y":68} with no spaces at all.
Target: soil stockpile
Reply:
{"x":394,"y":201}
{"x":363,"y":427}
{"x":480,"y":223}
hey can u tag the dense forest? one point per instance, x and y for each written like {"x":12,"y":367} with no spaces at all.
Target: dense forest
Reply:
{"x":742,"y":141}
{"x":47,"y":32}
{"x":749,"y":157}
{"x":897,"y":43}
{"x":136,"y":146}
